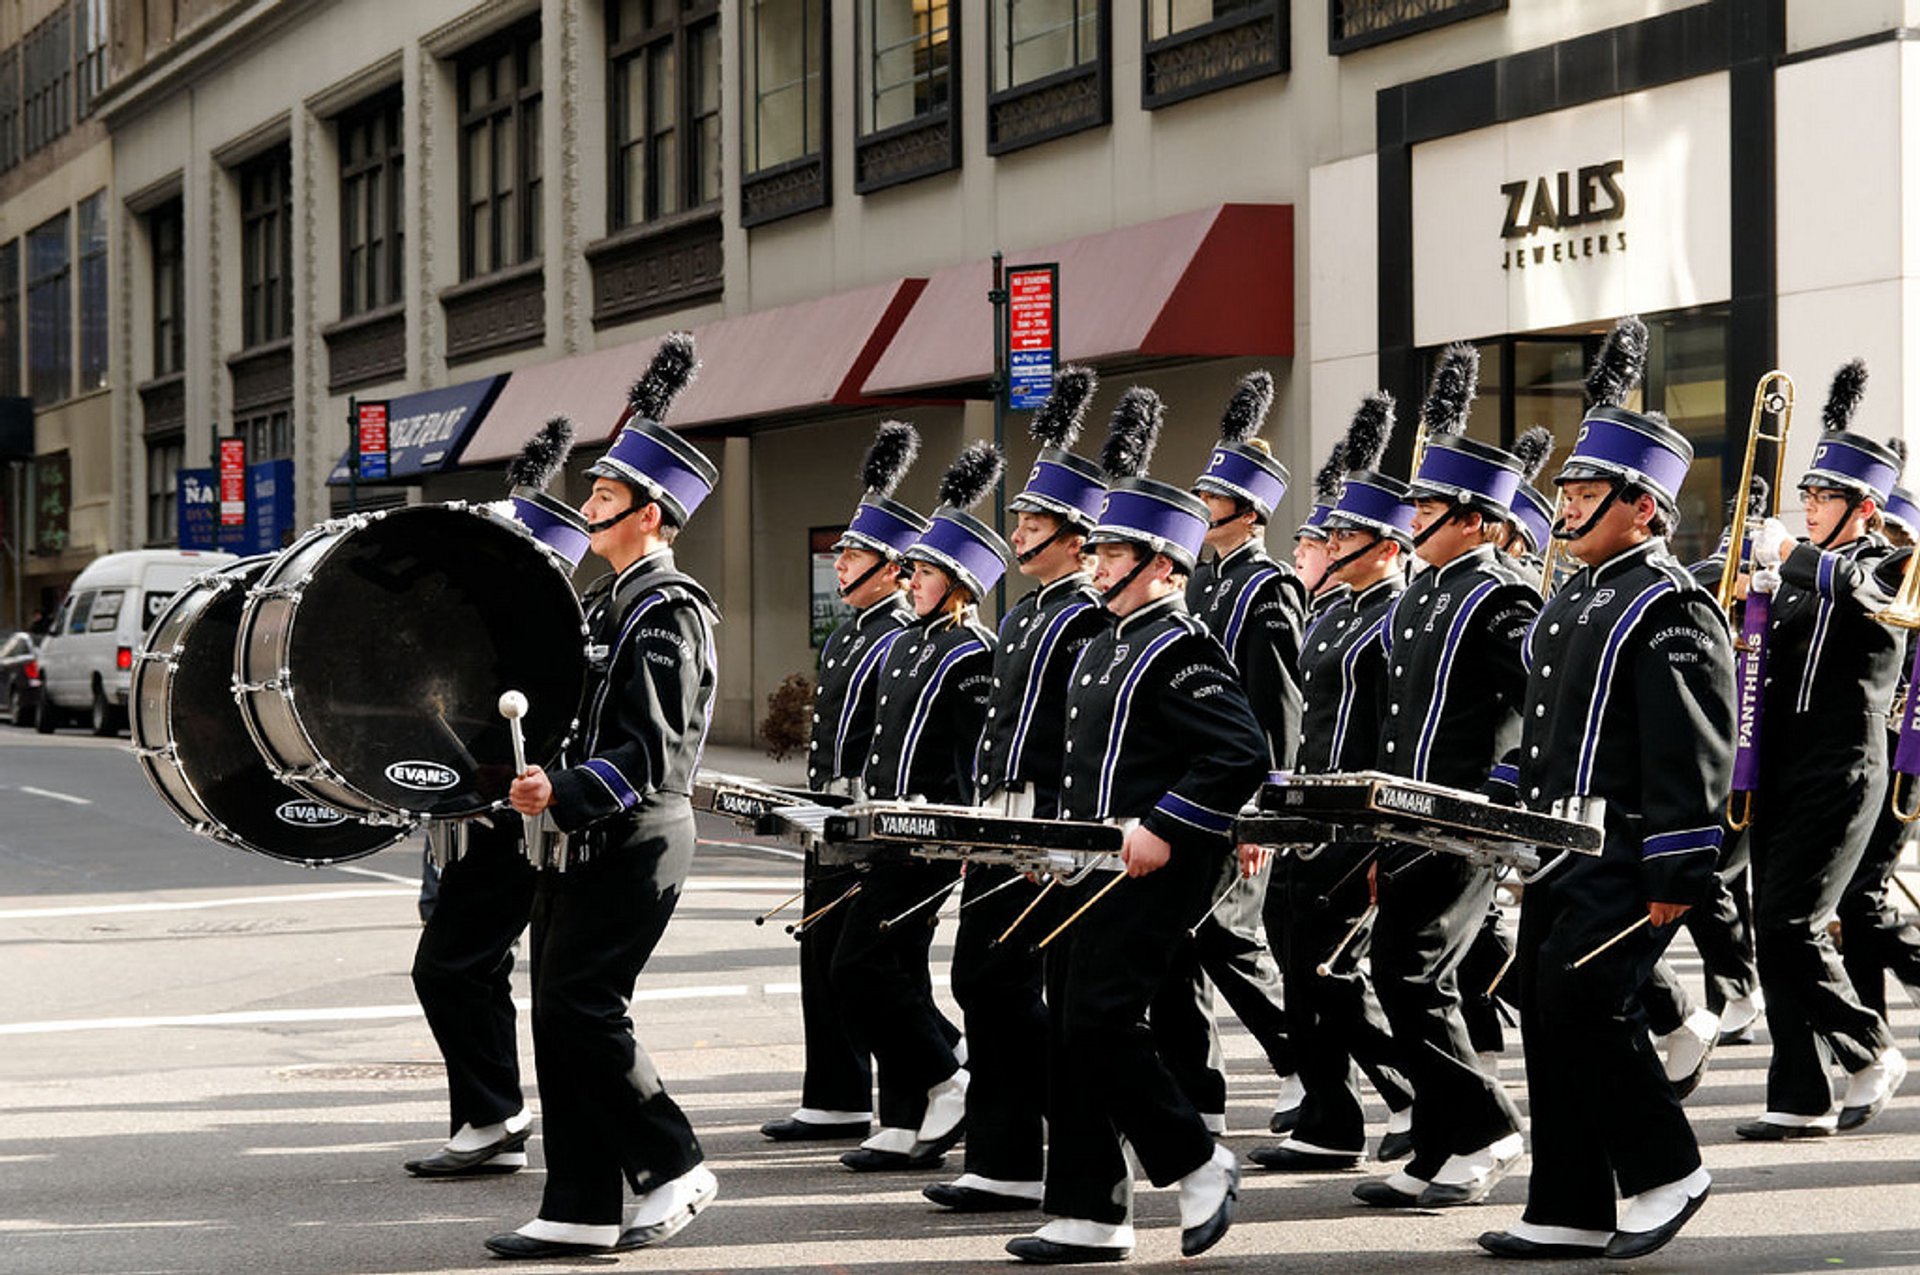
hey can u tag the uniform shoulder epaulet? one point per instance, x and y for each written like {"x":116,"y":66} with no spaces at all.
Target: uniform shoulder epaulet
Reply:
{"x":672,"y":586}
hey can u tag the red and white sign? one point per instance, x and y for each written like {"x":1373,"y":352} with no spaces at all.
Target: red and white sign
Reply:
{"x":372,"y":425}
{"x":1032,"y":334}
{"x":233,"y":482}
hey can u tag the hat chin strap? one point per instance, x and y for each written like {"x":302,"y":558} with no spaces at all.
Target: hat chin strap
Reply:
{"x":1433,"y":528}
{"x":1840,"y":524}
{"x":1037,"y":550}
{"x":1561,"y":531}
{"x":848,"y":590}
{"x":595,"y":528}
{"x":1346,"y":560}
{"x":1126,"y":582}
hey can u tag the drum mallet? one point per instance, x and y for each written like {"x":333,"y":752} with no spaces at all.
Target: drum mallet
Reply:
{"x":1574,"y":965}
{"x":1325,"y":968}
{"x":937,"y":895}
{"x":801,"y":926}
{"x":513,"y":707}
{"x":1322,"y":902}
{"x":1102,"y":893}
{"x":1016,"y":879}
{"x":1232,"y":885}
{"x":1024,"y":912}
{"x":1505,"y":965}
{"x":781,"y":906}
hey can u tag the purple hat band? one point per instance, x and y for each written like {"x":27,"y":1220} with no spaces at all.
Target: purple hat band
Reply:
{"x":1533,"y":514}
{"x":1900,"y":508}
{"x":1844,"y":459}
{"x":662,"y":463}
{"x":1064,"y":485}
{"x":1373,"y":501}
{"x":966,"y":548}
{"x":1157,"y":514}
{"x":1616,"y":443}
{"x":553,"y":523}
{"x":1461,"y":468}
{"x":885,"y":526}
{"x":1245,"y":473}
{"x":1314,"y":528}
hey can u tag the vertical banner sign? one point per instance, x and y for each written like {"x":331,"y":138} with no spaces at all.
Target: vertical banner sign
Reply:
{"x":270,"y":493}
{"x":233,"y":482}
{"x":199,"y":505}
{"x":372,"y":425}
{"x":1033,"y":334}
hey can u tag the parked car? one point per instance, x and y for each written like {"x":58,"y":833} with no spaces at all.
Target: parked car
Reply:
{"x":86,"y":659}
{"x":20,"y":675}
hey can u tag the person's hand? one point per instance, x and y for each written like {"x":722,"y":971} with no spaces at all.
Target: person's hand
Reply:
{"x":1253,"y":858}
{"x":1144,"y":851}
{"x":1765,"y":580}
{"x":1771,"y":543}
{"x":1663,"y":914}
{"x":532,"y":793}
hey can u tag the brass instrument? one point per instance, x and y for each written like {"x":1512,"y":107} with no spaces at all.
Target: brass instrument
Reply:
{"x":1772,"y":397}
{"x":1904,"y":614}
{"x":1549,"y":554}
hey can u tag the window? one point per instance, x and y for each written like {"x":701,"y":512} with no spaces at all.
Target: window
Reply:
{"x":9,"y":107}
{"x":907,"y":57}
{"x":500,"y":153}
{"x":92,"y":255}
{"x":1198,"y":46}
{"x":47,"y":79}
{"x":1171,"y":17}
{"x":10,"y":318}
{"x":1355,"y":24}
{"x":165,"y":457}
{"x":266,"y":247}
{"x":269,"y":434}
{"x":786,"y":110}
{"x":78,"y":612}
{"x":89,"y":53}
{"x":165,"y":229}
{"x":1034,"y":39}
{"x":1049,"y":73}
{"x":49,"y":312}
{"x":372,"y":150}
{"x":106,"y":610}
{"x":665,"y":73}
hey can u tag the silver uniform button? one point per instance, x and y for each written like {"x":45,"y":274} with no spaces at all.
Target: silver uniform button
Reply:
{"x":1073,"y":712}
{"x":1323,"y":646}
{"x":1535,"y":794}
{"x":1394,"y":709}
{"x":1086,"y":679}
{"x":1554,"y":627}
{"x":1406,"y":633}
{"x":1534,"y":751}
{"x":986,"y":745}
{"x":1539,"y":710}
{"x":1389,"y":745}
{"x":1068,"y":781}
{"x":1546,"y":670}
{"x":831,"y":663}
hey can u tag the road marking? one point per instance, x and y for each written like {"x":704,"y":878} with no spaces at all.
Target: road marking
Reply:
{"x":394,"y":877}
{"x":748,"y":845}
{"x":57,"y":796}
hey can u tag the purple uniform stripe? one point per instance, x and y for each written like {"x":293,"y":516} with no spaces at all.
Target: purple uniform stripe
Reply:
{"x":861,"y":672}
{"x":1822,"y":586}
{"x":923,"y":709}
{"x":1036,"y":675}
{"x":1680,"y":842}
{"x":1122,"y":704}
{"x":1603,"y":678}
{"x":607,"y":773}
{"x":1199,"y":816}
{"x":1423,"y":747}
{"x":1241,"y":605}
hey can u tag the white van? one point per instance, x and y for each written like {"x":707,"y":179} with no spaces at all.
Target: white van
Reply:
{"x":86,"y":659}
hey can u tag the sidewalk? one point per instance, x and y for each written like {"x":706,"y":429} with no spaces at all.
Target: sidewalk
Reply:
{"x":754,"y":763}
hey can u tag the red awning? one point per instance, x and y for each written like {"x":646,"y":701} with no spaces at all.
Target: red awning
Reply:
{"x":788,"y":359}
{"x":1213,"y":283}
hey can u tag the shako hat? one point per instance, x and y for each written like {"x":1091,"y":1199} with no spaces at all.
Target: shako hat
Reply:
{"x":1140,"y":510}
{"x":955,"y":541}
{"x":1852,"y":462}
{"x":880,"y":523}
{"x":1241,"y":467}
{"x":646,"y":455}
{"x":1637,"y":448}
{"x":1531,"y":512}
{"x":1368,"y":498}
{"x":554,"y":523}
{"x":1454,"y":467}
{"x":1068,"y":486}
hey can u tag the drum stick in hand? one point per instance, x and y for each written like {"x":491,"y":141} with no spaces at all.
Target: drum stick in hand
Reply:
{"x":1104,"y":890}
{"x":1233,"y":883}
{"x":1008,"y":932}
{"x":513,"y":707}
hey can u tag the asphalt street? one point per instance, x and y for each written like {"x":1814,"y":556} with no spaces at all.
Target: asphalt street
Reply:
{"x":212,"y":1062}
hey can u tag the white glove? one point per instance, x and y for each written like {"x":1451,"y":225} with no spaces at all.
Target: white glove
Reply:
{"x":1770,"y":543}
{"x":1765,"y":580}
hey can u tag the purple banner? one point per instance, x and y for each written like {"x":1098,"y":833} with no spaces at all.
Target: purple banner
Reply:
{"x":1749,"y":686}
{"x":1906,"y":756}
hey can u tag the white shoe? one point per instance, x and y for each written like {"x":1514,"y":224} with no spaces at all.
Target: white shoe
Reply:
{"x":1400,"y":1121}
{"x":1292,"y":1094}
{"x":1651,"y":1210}
{"x":1686,"y":1049}
{"x":1087,"y":1234}
{"x":570,"y":1233}
{"x":1216,"y":1122}
{"x":1740,"y":1015}
{"x":471,"y":1138}
{"x":897,"y":1141}
{"x":690,"y":1191}
{"x":1870,"y":1088}
{"x":1569,"y":1236}
{"x":1203,"y":1191}
{"x":1486,"y":1166}
{"x":819,"y":1115}
{"x":946,"y":1107}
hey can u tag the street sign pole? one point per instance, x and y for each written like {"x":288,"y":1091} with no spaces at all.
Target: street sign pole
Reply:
{"x":353,"y":462}
{"x":997,"y":296}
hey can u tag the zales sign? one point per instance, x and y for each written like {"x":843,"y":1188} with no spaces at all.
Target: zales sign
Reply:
{"x":1583,"y":199}
{"x":1620,"y":206}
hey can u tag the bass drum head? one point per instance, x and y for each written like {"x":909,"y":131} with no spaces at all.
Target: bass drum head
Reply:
{"x":405,"y":635}
{"x":230,"y":792}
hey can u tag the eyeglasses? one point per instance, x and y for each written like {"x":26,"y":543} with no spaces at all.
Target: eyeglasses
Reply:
{"x":1814,"y":497}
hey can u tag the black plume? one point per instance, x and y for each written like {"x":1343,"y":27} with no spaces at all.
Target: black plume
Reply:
{"x":1898,"y":446}
{"x":1621,"y":363}
{"x":1057,"y":423}
{"x":1368,"y":434}
{"x":1843,"y":400}
{"x":973,"y":471}
{"x":1247,"y":411}
{"x":1132,"y":433}
{"x":673,"y":366}
{"x":1532,"y":449}
{"x":889,"y":456}
{"x":1450,"y":398}
{"x":542,"y":455}
{"x":1758,"y":503}
{"x":1327,"y":483}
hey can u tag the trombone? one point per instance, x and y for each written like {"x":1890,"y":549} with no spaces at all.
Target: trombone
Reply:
{"x":1904,"y":614}
{"x":1772,"y":398}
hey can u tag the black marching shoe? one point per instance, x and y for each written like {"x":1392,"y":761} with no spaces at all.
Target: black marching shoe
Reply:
{"x":508,"y":1155}
{"x":1031,"y":1248}
{"x":1508,"y":1245}
{"x":518,"y":1247}
{"x":867,"y":1160}
{"x":1630,"y":1244}
{"x":794,"y":1129}
{"x":1294,"y":1160}
{"x":971,"y":1199}
{"x":1395,"y":1146}
{"x":1380,"y":1193}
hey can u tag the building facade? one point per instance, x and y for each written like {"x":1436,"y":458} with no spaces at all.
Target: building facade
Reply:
{"x":481,"y":215}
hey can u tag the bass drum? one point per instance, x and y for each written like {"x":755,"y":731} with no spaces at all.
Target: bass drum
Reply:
{"x":373,"y":653}
{"x":197,"y":753}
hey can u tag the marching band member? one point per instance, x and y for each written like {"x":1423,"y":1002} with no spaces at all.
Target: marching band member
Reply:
{"x":932,"y":703}
{"x":1830,"y":679}
{"x":1628,"y":720}
{"x":599,"y":911}
{"x":1875,"y":938}
{"x":1017,"y":772}
{"x":1454,"y":687}
{"x":1159,"y":732}
{"x":1256,"y":608}
{"x":836,"y":1090}
{"x":1310,"y":556}
{"x":1333,"y":1018}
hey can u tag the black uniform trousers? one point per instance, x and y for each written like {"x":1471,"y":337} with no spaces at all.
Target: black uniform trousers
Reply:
{"x":462,"y":973}
{"x":886,"y":997}
{"x":999,"y":987}
{"x":1809,"y":835}
{"x":1488,"y":958}
{"x":1875,"y":937}
{"x":1431,"y":908}
{"x":1226,"y":952}
{"x":839,"y":1075}
{"x":1603,"y":1115}
{"x":1663,"y":1000}
{"x":1721,"y":926}
{"x":608,"y":1118}
{"x":1334,"y":1020}
{"x":1107,"y":1081}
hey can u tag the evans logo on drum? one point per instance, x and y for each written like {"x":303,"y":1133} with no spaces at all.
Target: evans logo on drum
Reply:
{"x":422,"y":776}
{"x":308,"y":814}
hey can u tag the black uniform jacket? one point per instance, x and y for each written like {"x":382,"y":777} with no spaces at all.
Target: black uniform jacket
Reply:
{"x":1343,"y":672}
{"x":1455,"y":677}
{"x":847,"y":690}
{"x":1159,"y":730}
{"x":1830,"y":665}
{"x":1630,"y":698}
{"x":1256,"y":607}
{"x":1041,"y":638}
{"x":643,"y":716}
{"x":932,"y":703}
